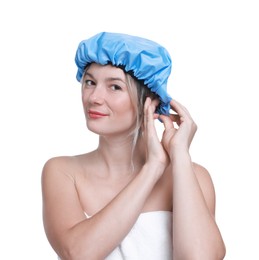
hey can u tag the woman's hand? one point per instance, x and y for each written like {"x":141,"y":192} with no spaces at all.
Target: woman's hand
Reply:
{"x":155,"y":152}
{"x":179,"y":129}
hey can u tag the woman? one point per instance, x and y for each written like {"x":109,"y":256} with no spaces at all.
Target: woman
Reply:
{"x":134,"y":197}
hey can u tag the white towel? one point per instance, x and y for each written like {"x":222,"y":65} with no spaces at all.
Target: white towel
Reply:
{"x":149,"y":239}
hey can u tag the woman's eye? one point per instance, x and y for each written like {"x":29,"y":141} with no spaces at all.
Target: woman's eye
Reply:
{"x":89,"y":83}
{"x":115,"y":87}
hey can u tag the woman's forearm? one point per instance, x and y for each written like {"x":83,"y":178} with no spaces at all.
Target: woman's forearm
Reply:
{"x":97,"y":236}
{"x":195,"y":233}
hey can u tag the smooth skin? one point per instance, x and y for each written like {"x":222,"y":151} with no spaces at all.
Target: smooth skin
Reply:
{"x":103,"y":184}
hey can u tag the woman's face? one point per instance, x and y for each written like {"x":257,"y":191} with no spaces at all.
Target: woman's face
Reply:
{"x":107,"y":104}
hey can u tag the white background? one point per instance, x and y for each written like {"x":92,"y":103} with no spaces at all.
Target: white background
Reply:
{"x":215,"y":51}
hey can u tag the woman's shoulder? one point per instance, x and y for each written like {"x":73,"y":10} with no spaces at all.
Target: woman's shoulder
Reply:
{"x":56,"y":168}
{"x":67,"y":160}
{"x":59,"y":162}
{"x":67,"y":165}
{"x":201,"y":172}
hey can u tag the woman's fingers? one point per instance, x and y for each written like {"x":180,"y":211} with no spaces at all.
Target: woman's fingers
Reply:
{"x":154,"y":149}
{"x":166,"y":121}
{"x":179,"y":108}
{"x":149,"y":108}
{"x":149,"y":126}
{"x":147,"y":102}
{"x":170,"y":120}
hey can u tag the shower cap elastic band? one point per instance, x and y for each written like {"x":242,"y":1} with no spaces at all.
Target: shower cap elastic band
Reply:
{"x":146,"y":60}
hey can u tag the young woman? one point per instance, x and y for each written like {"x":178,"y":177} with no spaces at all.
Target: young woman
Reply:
{"x":135,"y":196}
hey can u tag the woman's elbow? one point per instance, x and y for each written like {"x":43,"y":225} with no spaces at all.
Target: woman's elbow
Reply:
{"x":215,"y":252}
{"x":222,"y":251}
{"x":75,"y":251}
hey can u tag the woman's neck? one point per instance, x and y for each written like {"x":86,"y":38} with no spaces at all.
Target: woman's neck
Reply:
{"x":118,"y":155}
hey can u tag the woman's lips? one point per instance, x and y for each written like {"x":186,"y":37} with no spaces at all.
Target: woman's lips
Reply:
{"x":96,"y":114}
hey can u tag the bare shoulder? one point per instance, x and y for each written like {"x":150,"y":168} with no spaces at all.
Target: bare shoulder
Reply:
{"x":56,"y":168}
{"x":59,"y":194}
{"x":64,"y":165}
{"x":206,"y":184}
{"x":58,"y":164}
{"x":60,"y":175}
{"x":201,"y":172}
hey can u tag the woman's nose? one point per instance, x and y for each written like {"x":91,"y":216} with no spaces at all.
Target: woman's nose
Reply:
{"x":97,"y":95}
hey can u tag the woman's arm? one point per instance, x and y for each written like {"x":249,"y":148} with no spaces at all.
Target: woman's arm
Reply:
{"x":70,"y":233}
{"x":73,"y":236}
{"x":195,"y":232}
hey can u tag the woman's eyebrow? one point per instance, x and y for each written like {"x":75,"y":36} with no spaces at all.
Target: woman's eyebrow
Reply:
{"x":115,"y":78}
{"x":88,"y":74}
{"x":107,"y":79}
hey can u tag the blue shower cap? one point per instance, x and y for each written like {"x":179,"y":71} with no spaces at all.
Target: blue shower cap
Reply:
{"x":145,"y":59}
